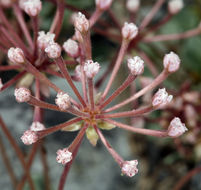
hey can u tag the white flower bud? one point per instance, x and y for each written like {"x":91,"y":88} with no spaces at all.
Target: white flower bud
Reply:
{"x":129,"y":168}
{"x":64,"y":156}
{"x":103,"y":4}
{"x":44,"y":40}
{"x":22,"y":94}
{"x":174,"y":6}
{"x":63,"y":101}
{"x":133,"y":5}
{"x":16,"y":55}
{"x":161,"y":98}
{"x":176,"y":128}
{"x":29,"y":137}
{"x":53,"y":50}
{"x":171,"y":62}
{"x":91,"y":68}
{"x":81,"y":23}
{"x":71,"y":48}
{"x":136,"y":65}
{"x":37,"y":126}
{"x":129,"y":31}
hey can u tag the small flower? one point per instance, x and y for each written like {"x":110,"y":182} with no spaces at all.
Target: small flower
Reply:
{"x":129,"y":168}
{"x":16,"y":55}
{"x":6,"y":3}
{"x":161,"y":98}
{"x":29,"y":137}
{"x":133,"y":5}
{"x":63,"y":101}
{"x":171,"y":62}
{"x":176,"y":128}
{"x":1,"y":84}
{"x":174,"y":6}
{"x":103,"y":4}
{"x":71,"y":47}
{"x":136,"y":65}
{"x":129,"y":31}
{"x":44,"y":40}
{"x":64,"y":156}
{"x":78,"y":74}
{"x":81,"y":23}
{"x":22,"y":94}
{"x":53,"y":50}
{"x":91,"y":68}
{"x":37,"y":126}
{"x":31,"y":7}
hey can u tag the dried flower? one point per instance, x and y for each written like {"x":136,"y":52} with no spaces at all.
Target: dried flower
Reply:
{"x":71,"y":48}
{"x":103,"y":4}
{"x":53,"y":50}
{"x":63,"y":101}
{"x":136,"y":65}
{"x":129,"y":168}
{"x":29,"y":137}
{"x":64,"y":156}
{"x":44,"y":40}
{"x":37,"y":126}
{"x":176,"y":128}
{"x":129,"y":31}
{"x":91,"y":68}
{"x":133,"y":5}
{"x":22,"y":94}
{"x":16,"y":55}
{"x":81,"y":23}
{"x":174,"y":6}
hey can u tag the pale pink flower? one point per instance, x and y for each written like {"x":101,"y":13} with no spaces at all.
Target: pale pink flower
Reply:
{"x":133,"y":5}
{"x":129,"y":168}
{"x":103,"y":4}
{"x":37,"y":126}
{"x":136,"y":65}
{"x":64,"y":156}
{"x":171,"y":62}
{"x":81,"y":23}
{"x":29,"y":137}
{"x":44,"y":40}
{"x":53,"y":50}
{"x":129,"y":31}
{"x":22,"y":94}
{"x":161,"y":98}
{"x":63,"y":101}
{"x":176,"y":128}
{"x":174,"y":6}
{"x":91,"y":68}
{"x":16,"y":55}
{"x":71,"y":48}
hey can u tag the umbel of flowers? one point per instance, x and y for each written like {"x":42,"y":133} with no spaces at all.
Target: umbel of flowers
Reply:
{"x":93,"y":114}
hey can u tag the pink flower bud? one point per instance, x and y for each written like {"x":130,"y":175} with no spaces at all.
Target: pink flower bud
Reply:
{"x":71,"y":48}
{"x":129,"y":31}
{"x":31,"y":7}
{"x":91,"y":68}
{"x":64,"y":156}
{"x":53,"y":50}
{"x":174,"y":6}
{"x":171,"y":62}
{"x":16,"y":55}
{"x":44,"y":40}
{"x":1,"y":84}
{"x":22,"y":94}
{"x":129,"y":168}
{"x":176,"y":128}
{"x":136,"y":65}
{"x":29,"y":137}
{"x":63,"y":101}
{"x":6,"y":3}
{"x":103,"y":4}
{"x":161,"y":98}
{"x":78,"y":73}
{"x":133,"y":5}
{"x":37,"y":126}
{"x":81,"y":23}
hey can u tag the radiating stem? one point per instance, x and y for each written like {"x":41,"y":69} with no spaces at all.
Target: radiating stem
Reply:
{"x":91,"y":93}
{"x":35,"y":32}
{"x":95,"y":16}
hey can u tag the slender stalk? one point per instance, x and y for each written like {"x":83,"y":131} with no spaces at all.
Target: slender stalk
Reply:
{"x":9,"y":67}
{"x":152,"y":85}
{"x":87,"y":45}
{"x":149,"y":132}
{"x":95,"y":16}
{"x":35,"y":32}
{"x":91,"y":93}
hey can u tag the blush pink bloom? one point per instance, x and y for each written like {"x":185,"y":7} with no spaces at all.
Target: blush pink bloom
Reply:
{"x":136,"y":65}
{"x":64,"y":156}
{"x":81,"y":23}
{"x":16,"y":55}
{"x":53,"y":50}
{"x":174,"y":6}
{"x":37,"y":126}
{"x":44,"y":40}
{"x":63,"y":101}
{"x":91,"y":68}
{"x":129,"y":168}
{"x":71,"y":48}
{"x":129,"y":31}
{"x":22,"y":94}
{"x":133,"y":5}
{"x":29,"y":137}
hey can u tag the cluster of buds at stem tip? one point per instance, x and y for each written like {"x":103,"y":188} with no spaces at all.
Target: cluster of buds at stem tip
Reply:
{"x":16,"y":55}
{"x":129,"y":31}
{"x":44,"y":40}
{"x":136,"y":65}
{"x":174,"y":6}
{"x":133,"y":5}
{"x":64,"y":156}
{"x":129,"y":168}
{"x":29,"y":137}
{"x":31,"y":7}
{"x":81,"y":23}
{"x":53,"y":50}
{"x":103,"y":4}
{"x":91,"y":68}
{"x":37,"y":126}
{"x":63,"y":101}
{"x":176,"y":128}
{"x":71,"y":47}
{"x":22,"y":94}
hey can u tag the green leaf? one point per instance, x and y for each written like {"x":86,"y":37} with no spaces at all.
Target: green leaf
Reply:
{"x":92,"y":136}
{"x":73,"y":127}
{"x":105,"y":125}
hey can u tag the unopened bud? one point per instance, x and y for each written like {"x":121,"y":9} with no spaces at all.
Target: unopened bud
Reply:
{"x":129,"y":31}
{"x":81,"y":23}
{"x":29,"y":137}
{"x":64,"y":156}
{"x":37,"y":126}
{"x":22,"y":94}
{"x":136,"y":65}
{"x":133,"y":5}
{"x":53,"y":50}
{"x":129,"y":168}
{"x":16,"y":55}
{"x":63,"y":101}
{"x":103,"y":4}
{"x":91,"y":68}
{"x":174,"y":6}
{"x":44,"y":40}
{"x":71,"y":48}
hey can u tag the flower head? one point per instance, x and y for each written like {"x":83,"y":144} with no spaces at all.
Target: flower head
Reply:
{"x":64,"y":156}
{"x":129,"y":168}
{"x":171,"y":62}
{"x":129,"y":31}
{"x":91,"y":68}
{"x":29,"y":137}
{"x":63,"y":101}
{"x":176,"y":128}
{"x":81,"y":23}
{"x":22,"y":94}
{"x":71,"y":47}
{"x":16,"y":55}
{"x":53,"y":50}
{"x":161,"y":98}
{"x":174,"y":6}
{"x":37,"y":126}
{"x":136,"y":65}
{"x":44,"y":40}
{"x":103,"y":4}
{"x":133,"y":5}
